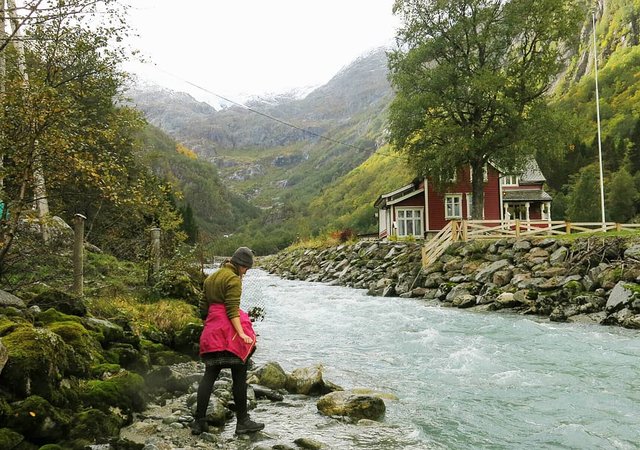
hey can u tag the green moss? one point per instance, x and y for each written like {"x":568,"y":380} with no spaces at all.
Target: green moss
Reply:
{"x":9,"y":439}
{"x":9,"y":325}
{"x":85,"y":350}
{"x":51,"y":447}
{"x":99,"y":370}
{"x":38,"y":360}
{"x":36,"y":418}
{"x":93,"y":424}
{"x":124,"y":390}
{"x":53,"y":315}
{"x":60,"y":300}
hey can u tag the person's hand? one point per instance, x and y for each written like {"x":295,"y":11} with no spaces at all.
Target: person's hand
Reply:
{"x":246,"y":338}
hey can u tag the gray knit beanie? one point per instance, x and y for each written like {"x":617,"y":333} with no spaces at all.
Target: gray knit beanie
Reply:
{"x":243,"y":257}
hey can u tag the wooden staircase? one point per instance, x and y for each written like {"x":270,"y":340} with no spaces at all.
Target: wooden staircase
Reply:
{"x":435,"y":247}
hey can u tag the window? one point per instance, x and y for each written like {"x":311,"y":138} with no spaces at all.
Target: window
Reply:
{"x":470,"y":206}
{"x":510,"y":180}
{"x":453,"y":206}
{"x":409,"y":222}
{"x":485,"y":173}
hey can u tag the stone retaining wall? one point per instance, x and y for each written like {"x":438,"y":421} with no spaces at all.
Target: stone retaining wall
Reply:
{"x":594,"y":280}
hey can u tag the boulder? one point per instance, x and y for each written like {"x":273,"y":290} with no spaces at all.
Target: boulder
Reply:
{"x":7,"y":299}
{"x":486,"y":274}
{"x":307,"y":381}
{"x":620,"y":295}
{"x":272,"y":376}
{"x":36,"y":418}
{"x":559,"y":256}
{"x":351,"y":405}
{"x":64,"y":302}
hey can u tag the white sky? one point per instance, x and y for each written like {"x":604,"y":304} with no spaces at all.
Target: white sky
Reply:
{"x":236,"y":47}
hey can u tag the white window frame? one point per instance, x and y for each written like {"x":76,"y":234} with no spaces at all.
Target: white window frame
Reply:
{"x":417,"y":222}
{"x":485,"y":173}
{"x":469,"y":205}
{"x":510,"y":180}
{"x":450,"y":200}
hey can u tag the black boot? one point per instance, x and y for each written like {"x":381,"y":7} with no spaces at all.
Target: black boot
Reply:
{"x":199,"y":426}
{"x":247,"y":425}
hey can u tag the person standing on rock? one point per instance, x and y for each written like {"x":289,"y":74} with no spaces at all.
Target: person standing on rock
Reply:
{"x":227,"y":340}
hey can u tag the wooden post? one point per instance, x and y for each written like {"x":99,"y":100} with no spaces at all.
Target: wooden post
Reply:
{"x":78,"y":254}
{"x":618,"y":226}
{"x":454,"y":231}
{"x":517,"y":228}
{"x":154,"y":255}
{"x":464,"y":231}
{"x":568,"y":227}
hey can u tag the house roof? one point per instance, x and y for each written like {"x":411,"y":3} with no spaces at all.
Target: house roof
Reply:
{"x":525,"y":195}
{"x":393,"y":196}
{"x":531,"y":174}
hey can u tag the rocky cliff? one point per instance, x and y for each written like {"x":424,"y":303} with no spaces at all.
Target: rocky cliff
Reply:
{"x":590,"y":280}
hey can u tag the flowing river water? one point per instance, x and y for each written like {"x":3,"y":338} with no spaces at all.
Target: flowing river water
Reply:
{"x":463,"y":379}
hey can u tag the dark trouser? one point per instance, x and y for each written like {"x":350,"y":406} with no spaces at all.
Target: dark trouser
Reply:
{"x":239,"y":377}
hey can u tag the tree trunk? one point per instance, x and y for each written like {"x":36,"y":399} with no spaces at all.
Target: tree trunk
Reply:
{"x":477,"y":189}
{"x":39,"y":185}
{"x":3,"y":75}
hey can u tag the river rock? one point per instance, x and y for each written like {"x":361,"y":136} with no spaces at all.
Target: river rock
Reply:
{"x":521,"y":245}
{"x":485,"y":274}
{"x":352,"y":405}
{"x":307,"y":381}
{"x":559,"y":256}
{"x":271,"y":375}
{"x":633,"y":252}
{"x":309,"y":443}
{"x":265,"y":392}
{"x":7,"y":299}
{"x":620,"y":295}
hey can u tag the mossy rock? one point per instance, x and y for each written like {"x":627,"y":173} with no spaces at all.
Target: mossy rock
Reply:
{"x":128,"y":356}
{"x":104,"y":370}
{"x":51,"y":447}
{"x":125,"y":390}
{"x":11,"y":311}
{"x":52,"y":315}
{"x":9,"y":439}
{"x":42,"y":422}
{"x":93,"y":424}
{"x":85,"y":350}
{"x":8,"y":325}
{"x":62,"y":301}
{"x":104,"y":330}
{"x":38,"y":360}
{"x":188,"y":339}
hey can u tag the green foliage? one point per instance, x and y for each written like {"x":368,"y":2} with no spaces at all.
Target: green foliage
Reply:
{"x":470,"y":78}
{"x":583,"y":202}
{"x":214,"y":208}
{"x":10,"y":439}
{"x":622,"y":197}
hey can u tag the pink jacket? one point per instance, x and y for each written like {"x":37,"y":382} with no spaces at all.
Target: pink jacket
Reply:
{"x":219,"y":335}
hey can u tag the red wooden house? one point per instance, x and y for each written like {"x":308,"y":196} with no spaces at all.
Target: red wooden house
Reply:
{"x":418,"y":210}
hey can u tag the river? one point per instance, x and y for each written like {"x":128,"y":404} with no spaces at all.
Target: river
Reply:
{"x":463,"y":379}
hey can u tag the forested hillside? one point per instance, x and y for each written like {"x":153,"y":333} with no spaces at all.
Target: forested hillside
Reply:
{"x":574,"y":177}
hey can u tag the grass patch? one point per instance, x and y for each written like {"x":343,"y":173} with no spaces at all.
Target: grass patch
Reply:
{"x":169,"y":316}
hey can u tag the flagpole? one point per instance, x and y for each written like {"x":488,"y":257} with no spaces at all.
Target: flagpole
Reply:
{"x":595,"y":63}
